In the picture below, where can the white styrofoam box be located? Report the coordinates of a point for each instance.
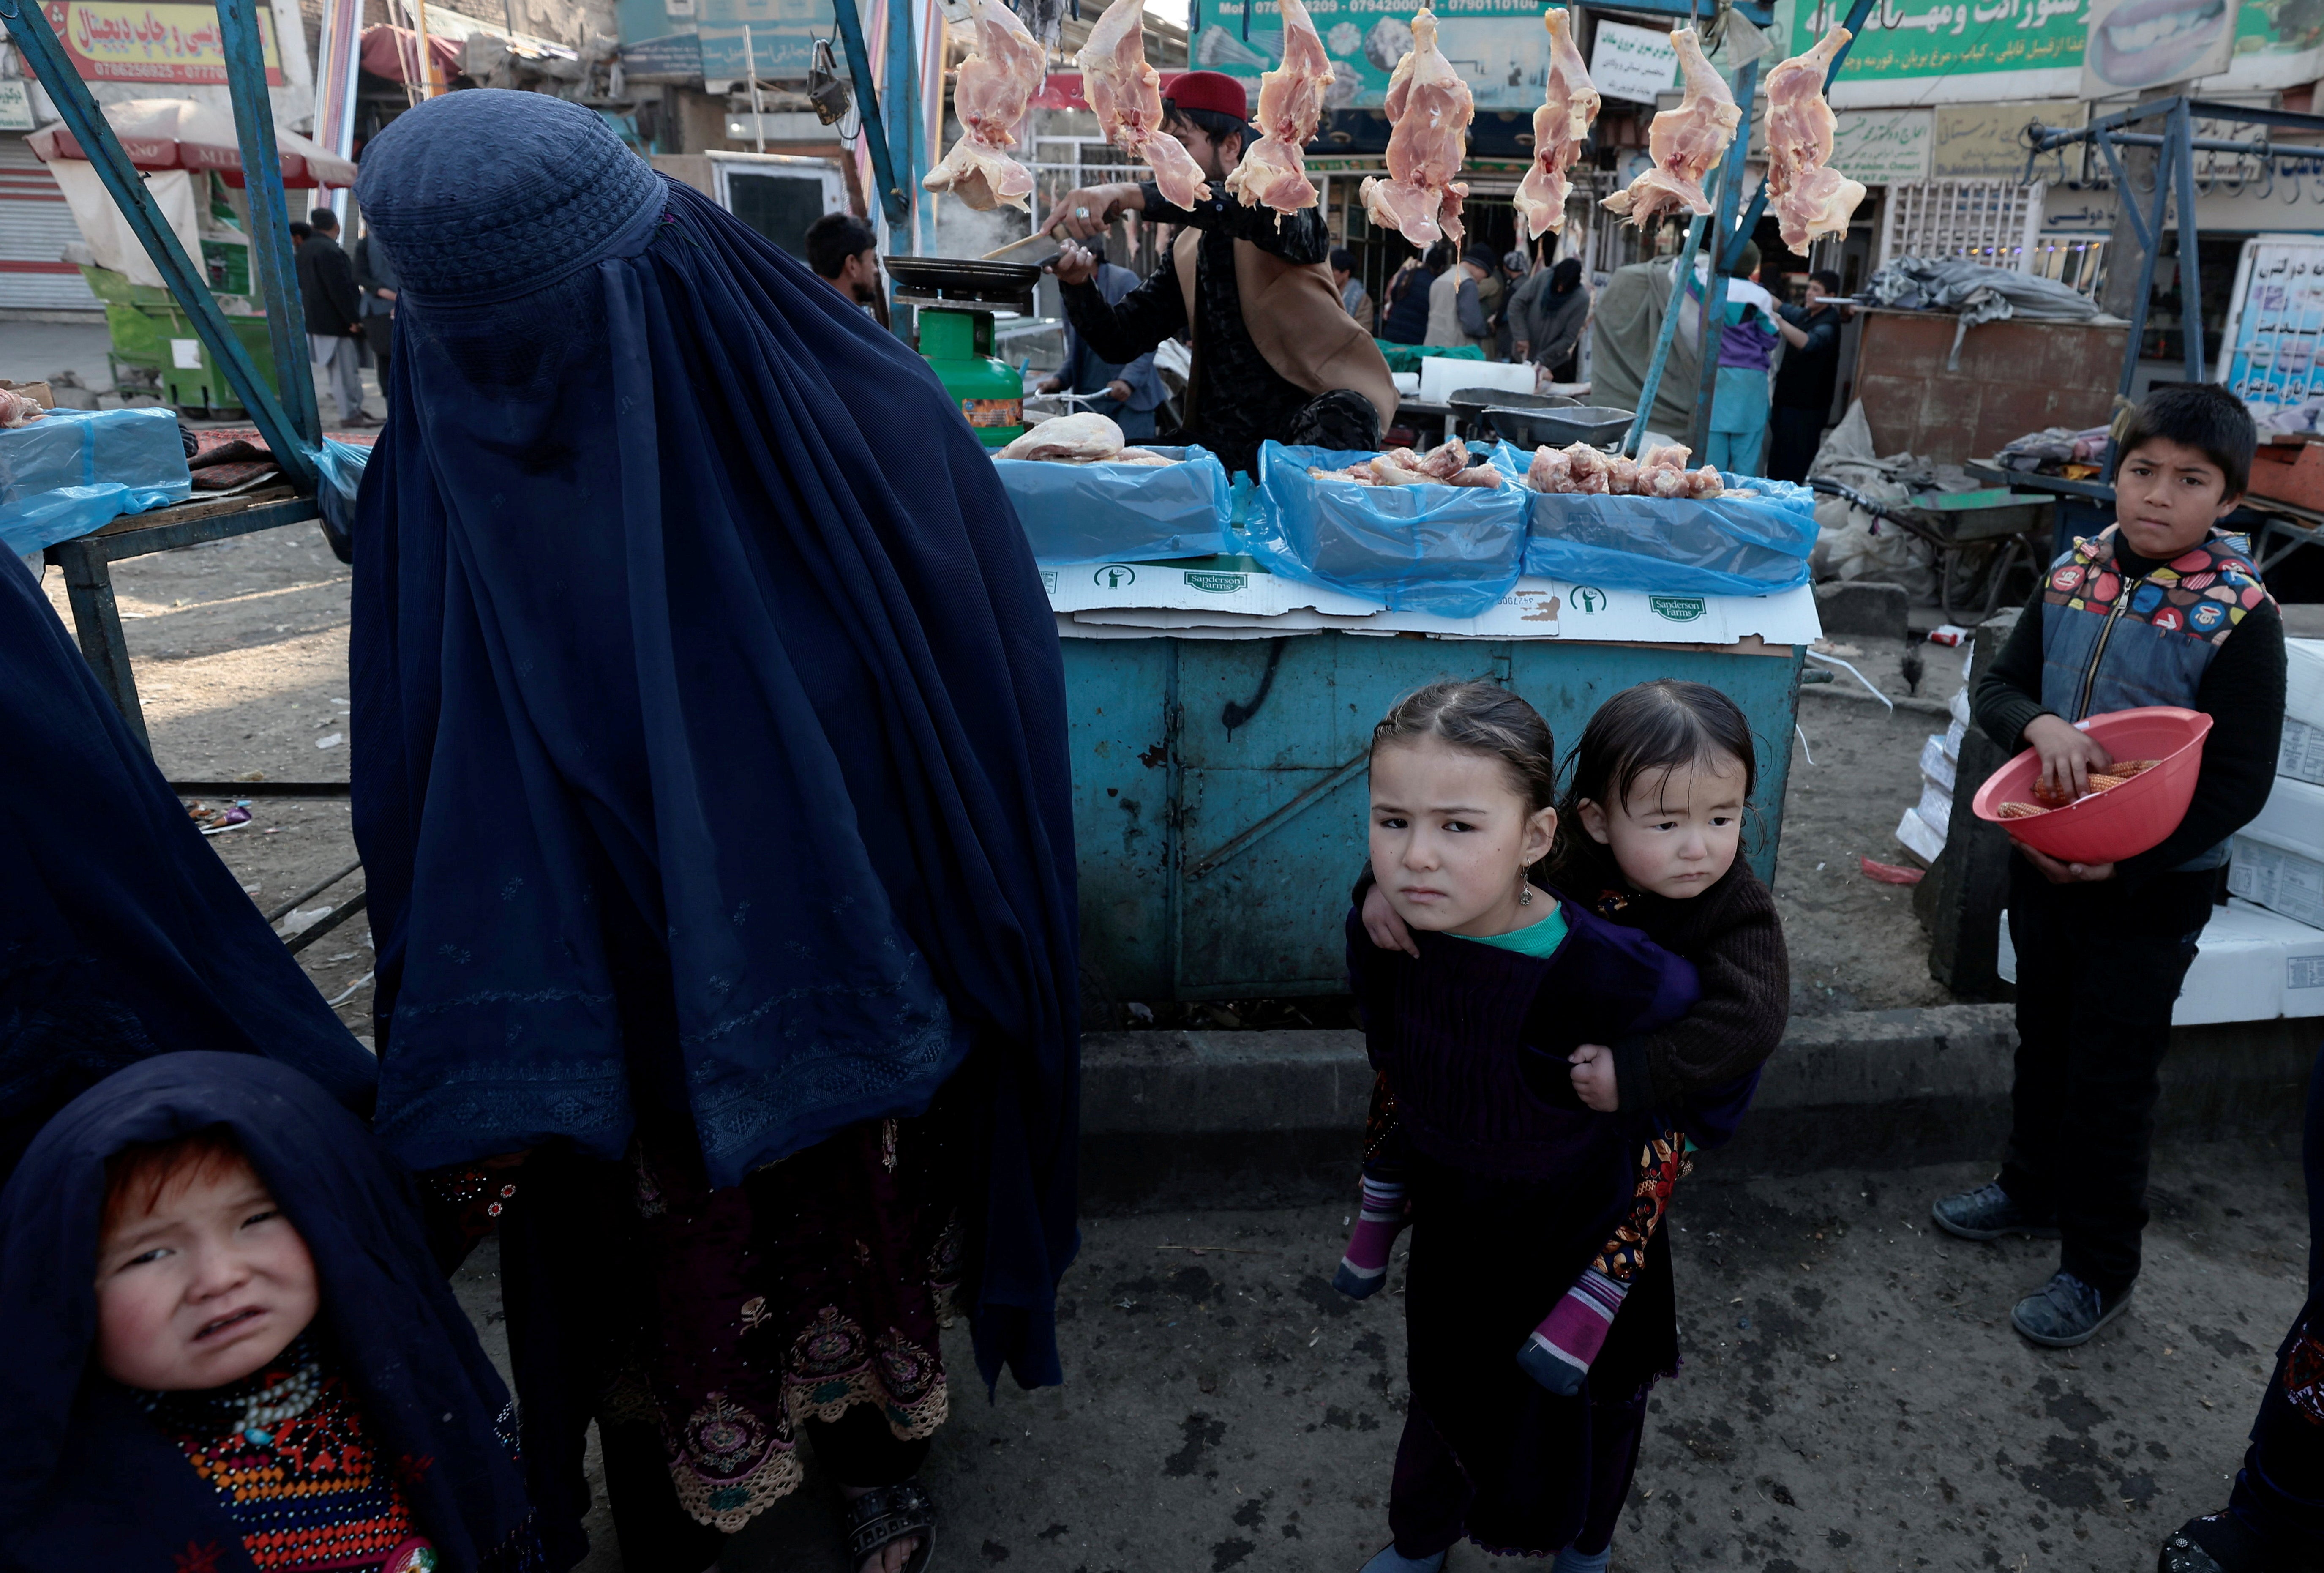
(1937, 764)
(1441, 378)
(2302, 756)
(1936, 804)
(2251, 965)
(2303, 681)
(2279, 857)
(1406, 382)
(1953, 735)
(1920, 837)
(1961, 708)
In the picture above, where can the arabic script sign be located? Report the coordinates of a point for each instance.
(1967, 52)
(1633, 62)
(1987, 140)
(1883, 147)
(118, 40)
(1905, 39)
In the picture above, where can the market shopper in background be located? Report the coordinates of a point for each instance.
(334, 308)
(1548, 315)
(1405, 319)
(1130, 393)
(1806, 379)
(377, 277)
(711, 782)
(1460, 308)
(2162, 607)
(1276, 354)
(1351, 288)
(1749, 331)
(844, 254)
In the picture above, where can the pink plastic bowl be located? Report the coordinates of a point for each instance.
(2130, 819)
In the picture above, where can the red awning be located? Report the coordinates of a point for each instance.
(177, 133)
(1062, 90)
(393, 52)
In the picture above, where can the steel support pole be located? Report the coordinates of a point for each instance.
(30, 29)
(850, 21)
(270, 225)
(1714, 288)
(903, 105)
(1682, 267)
(2191, 270)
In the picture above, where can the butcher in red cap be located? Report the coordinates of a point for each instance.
(1276, 354)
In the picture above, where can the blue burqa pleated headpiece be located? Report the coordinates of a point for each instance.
(87, 1480)
(709, 738)
(121, 935)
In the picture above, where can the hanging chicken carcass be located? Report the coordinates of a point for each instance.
(990, 95)
(1569, 107)
(1810, 198)
(1127, 95)
(1685, 140)
(1273, 172)
(1429, 109)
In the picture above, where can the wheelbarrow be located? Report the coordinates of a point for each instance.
(1978, 539)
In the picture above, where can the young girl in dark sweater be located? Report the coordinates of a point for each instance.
(1660, 783)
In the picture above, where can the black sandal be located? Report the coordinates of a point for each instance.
(888, 1514)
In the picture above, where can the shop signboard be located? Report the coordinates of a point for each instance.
(1500, 46)
(1636, 63)
(1987, 142)
(1979, 52)
(125, 40)
(2276, 319)
(782, 35)
(1883, 147)
(15, 106)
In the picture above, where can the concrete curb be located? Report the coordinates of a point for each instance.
(1176, 1118)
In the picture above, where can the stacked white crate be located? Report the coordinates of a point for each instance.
(1922, 830)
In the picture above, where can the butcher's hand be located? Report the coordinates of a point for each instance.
(1387, 930)
(2068, 754)
(1074, 266)
(1086, 211)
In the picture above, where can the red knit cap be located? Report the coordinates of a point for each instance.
(1212, 90)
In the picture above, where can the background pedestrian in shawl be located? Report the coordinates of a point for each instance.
(122, 936)
(1805, 381)
(377, 277)
(711, 779)
(230, 1348)
(1276, 353)
(1549, 314)
(1405, 319)
(1352, 294)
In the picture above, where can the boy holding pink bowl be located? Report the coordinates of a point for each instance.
(2161, 608)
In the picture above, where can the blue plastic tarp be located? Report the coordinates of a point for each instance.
(73, 471)
(1454, 552)
(1109, 513)
(1674, 546)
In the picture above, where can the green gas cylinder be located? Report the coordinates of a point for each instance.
(989, 393)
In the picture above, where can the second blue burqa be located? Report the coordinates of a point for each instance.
(709, 749)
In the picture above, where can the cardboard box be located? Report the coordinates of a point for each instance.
(2279, 857)
(2304, 710)
(1940, 763)
(1936, 804)
(1441, 378)
(2302, 756)
(2289, 473)
(2251, 965)
(1235, 594)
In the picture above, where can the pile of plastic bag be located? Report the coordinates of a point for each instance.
(74, 471)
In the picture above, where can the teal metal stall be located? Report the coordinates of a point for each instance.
(1219, 787)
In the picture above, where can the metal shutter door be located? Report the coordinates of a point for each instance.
(35, 227)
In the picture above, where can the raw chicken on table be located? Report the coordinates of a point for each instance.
(1429, 109)
(1274, 172)
(1084, 438)
(1127, 95)
(990, 95)
(1569, 107)
(1448, 465)
(1685, 140)
(1810, 198)
(1583, 470)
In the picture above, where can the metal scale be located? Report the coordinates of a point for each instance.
(958, 303)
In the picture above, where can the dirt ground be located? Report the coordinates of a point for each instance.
(1851, 1398)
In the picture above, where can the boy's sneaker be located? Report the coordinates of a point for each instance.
(1987, 1213)
(2065, 1311)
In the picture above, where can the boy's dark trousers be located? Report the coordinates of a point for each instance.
(2098, 973)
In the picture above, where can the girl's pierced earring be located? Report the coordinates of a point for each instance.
(1524, 896)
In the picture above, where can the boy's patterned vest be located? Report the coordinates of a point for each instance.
(2109, 643)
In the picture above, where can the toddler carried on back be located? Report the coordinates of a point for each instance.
(1545, 1068)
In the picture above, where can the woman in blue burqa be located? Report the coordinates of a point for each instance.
(711, 783)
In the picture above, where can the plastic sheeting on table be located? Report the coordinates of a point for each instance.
(1110, 512)
(73, 471)
(1451, 551)
(1672, 546)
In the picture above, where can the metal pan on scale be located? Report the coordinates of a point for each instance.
(1003, 289)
